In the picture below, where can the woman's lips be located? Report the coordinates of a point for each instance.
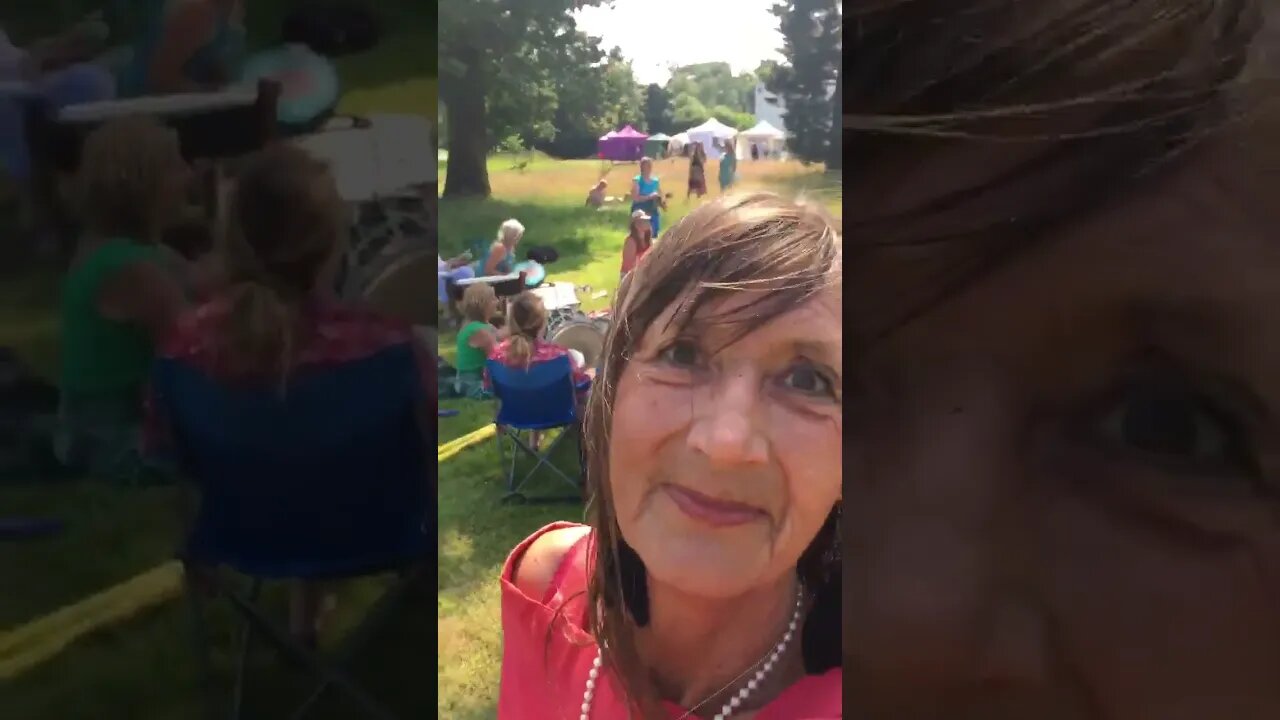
(720, 513)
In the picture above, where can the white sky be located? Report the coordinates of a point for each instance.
(658, 34)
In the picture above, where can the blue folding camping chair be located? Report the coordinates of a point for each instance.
(328, 479)
(543, 397)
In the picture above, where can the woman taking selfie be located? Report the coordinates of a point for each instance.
(707, 584)
(1064, 462)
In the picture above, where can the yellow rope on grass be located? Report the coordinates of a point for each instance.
(453, 447)
(43, 638)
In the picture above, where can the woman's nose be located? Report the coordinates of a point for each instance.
(940, 586)
(725, 426)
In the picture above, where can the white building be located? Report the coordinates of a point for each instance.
(770, 108)
(773, 110)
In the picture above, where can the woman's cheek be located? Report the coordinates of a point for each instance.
(645, 413)
(808, 429)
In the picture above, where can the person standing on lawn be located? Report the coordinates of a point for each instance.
(697, 172)
(646, 194)
(728, 165)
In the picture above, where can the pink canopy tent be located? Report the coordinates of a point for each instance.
(626, 144)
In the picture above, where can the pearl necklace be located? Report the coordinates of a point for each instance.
(765, 664)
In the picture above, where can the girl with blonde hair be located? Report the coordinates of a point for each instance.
(120, 296)
(276, 316)
(524, 345)
(476, 339)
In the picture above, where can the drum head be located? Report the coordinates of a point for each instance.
(582, 336)
(309, 82)
(534, 273)
(406, 290)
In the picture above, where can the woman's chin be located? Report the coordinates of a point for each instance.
(704, 567)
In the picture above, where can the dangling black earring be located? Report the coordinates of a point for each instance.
(635, 586)
(819, 646)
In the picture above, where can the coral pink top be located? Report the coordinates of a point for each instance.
(640, 253)
(546, 655)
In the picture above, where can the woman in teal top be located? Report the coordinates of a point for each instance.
(187, 46)
(500, 258)
(646, 194)
(728, 165)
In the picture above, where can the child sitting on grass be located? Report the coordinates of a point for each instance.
(476, 339)
(596, 195)
(120, 297)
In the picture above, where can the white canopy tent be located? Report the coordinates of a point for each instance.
(764, 136)
(678, 141)
(709, 134)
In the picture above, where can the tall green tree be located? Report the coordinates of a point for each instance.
(713, 84)
(487, 42)
(658, 116)
(811, 46)
(688, 111)
(593, 97)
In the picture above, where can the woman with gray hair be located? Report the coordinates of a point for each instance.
(501, 255)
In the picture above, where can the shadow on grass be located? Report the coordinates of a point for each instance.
(112, 534)
(145, 667)
(477, 529)
(477, 532)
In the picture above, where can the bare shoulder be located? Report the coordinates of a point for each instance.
(535, 570)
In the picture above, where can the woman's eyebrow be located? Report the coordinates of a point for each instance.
(826, 352)
(1187, 324)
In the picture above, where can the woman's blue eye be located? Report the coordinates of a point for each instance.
(1176, 427)
(681, 352)
(807, 379)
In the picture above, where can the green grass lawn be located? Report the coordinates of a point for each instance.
(477, 531)
(144, 668)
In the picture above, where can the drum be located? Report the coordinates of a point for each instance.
(309, 85)
(533, 271)
(581, 335)
(388, 263)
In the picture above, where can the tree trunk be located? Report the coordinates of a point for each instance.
(467, 174)
(835, 148)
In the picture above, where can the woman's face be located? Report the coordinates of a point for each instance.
(724, 465)
(1063, 481)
